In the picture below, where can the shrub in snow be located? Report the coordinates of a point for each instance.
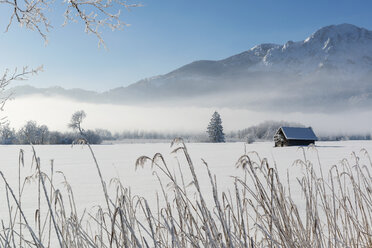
(250, 138)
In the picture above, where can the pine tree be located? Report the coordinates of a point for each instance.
(215, 129)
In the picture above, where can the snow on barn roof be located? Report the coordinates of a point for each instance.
(299, 133)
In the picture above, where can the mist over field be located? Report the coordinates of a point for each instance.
(55, 112)
(323, 81)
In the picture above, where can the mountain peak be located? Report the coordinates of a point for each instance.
(340, 32)
(264, 47)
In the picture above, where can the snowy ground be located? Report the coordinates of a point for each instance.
(119, 161)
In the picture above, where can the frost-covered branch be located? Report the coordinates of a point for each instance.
(30, 14)
(10, 76)
(14, 75)
(95, 14)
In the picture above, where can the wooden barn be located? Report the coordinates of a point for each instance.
(294, 136)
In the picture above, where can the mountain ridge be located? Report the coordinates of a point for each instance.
(335, 60)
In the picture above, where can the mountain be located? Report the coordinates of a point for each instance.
(329, 70)
(78, 94)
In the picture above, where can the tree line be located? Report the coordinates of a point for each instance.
(33, 133)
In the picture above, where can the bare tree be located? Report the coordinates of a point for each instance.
(28, 134)
(7, 135)
(76, 120)
(32, 133)
(43, 133)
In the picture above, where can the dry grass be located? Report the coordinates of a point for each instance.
(335, 211)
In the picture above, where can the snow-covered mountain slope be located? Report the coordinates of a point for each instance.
(344, 49)
(330, 69)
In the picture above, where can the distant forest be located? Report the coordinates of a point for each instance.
(37, 134)
(33, 133)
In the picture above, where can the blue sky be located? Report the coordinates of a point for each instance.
(166, 34)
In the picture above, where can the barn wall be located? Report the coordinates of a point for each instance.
(280, 139)
(300, 142)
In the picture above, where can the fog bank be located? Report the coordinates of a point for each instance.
(56, 113)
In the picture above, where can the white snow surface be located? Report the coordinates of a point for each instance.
(119, 161)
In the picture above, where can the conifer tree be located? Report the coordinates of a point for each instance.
(215, 129)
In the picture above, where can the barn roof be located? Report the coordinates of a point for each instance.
(299, 133)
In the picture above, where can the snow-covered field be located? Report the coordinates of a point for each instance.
(119, 161)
